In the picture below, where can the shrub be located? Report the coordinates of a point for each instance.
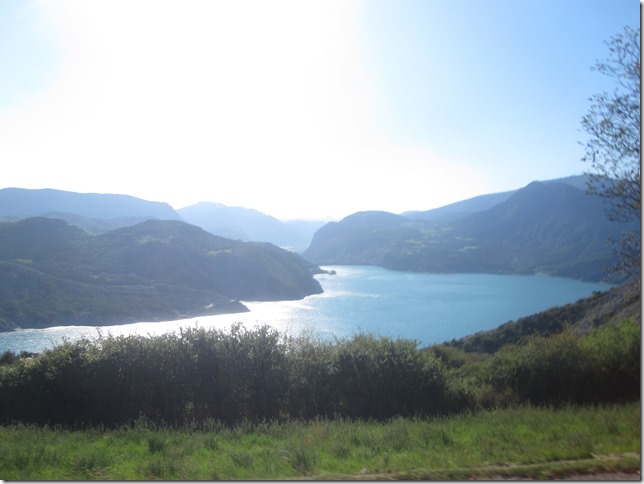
(311, 383)
(234, 376)
(381, 378)
(206, 378)
(602, 366)
(614, 359)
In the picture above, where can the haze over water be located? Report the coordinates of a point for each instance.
(429, 308)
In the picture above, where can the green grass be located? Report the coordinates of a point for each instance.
(524, 442)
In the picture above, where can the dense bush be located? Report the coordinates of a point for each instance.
(243, 374)
(614, 354)
(601, 366)
(310, 376)
(379, 377)
(259, 375)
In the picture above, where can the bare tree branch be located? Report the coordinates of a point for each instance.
(613, 148)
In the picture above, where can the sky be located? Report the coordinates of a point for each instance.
(299, 108)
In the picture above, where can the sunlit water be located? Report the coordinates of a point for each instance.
(429, 308)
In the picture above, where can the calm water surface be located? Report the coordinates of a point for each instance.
(430, 308)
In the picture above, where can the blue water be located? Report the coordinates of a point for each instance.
(429, 308)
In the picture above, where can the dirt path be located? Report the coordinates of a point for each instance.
(599, 476)
(605, 476)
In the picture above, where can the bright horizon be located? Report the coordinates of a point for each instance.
(299, 108)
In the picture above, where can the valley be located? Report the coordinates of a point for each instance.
(99, 259)
(397, 403)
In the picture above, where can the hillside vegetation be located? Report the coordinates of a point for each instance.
(53, 274)
(601, 308)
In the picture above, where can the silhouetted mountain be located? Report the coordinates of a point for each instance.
(546, 227)
(249, 224)
(94, 211)
(52, 273)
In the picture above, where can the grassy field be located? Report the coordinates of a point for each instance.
(521, 442)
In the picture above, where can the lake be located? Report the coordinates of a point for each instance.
(429, 308)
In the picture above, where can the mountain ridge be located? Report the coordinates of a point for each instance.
(98, 212)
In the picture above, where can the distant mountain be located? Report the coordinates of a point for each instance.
(304, 230)
(94, 212)
(546, 227)
(97, 213)
(53, 274)
(249, 225)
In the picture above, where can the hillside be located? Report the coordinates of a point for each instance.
(546, 227)
(599, 309)
(364, 238)
(53, 274)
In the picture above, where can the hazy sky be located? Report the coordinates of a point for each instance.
(300, 109)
